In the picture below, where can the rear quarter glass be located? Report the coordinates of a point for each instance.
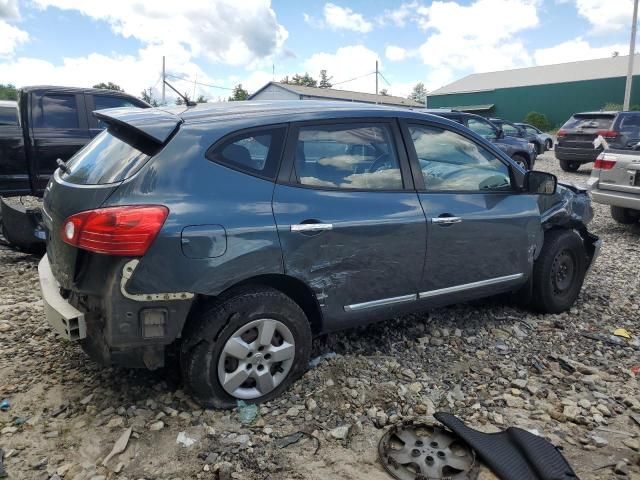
(111, 157)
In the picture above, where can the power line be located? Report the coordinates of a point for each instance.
(354, 78)
(197, 83)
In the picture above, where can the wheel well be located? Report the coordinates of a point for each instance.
(295, 289)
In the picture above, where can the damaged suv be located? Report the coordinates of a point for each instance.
(236, 232)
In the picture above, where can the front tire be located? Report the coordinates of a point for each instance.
(251, 346)
(569, 166)
(625, 216)
(548, 144)
(522, 161)
(559, 272)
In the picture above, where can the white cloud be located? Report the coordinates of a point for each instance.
(10, 38)
(9, 10)
(575, 50)
(346, 63)
(395, 53)
(400, 15)
(606, 16)
(227, 31)
(344, 18)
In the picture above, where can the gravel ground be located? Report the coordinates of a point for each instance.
(491, 364)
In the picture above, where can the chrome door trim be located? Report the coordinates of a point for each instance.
(469, 286)
(446, 220)
(311, 227)
(380, 303)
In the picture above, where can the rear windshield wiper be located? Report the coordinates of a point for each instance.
(62, 165)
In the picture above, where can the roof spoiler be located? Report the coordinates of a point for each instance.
(152, 123)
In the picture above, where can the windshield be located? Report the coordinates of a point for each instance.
(108, 158)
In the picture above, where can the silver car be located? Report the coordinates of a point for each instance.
(615, 181)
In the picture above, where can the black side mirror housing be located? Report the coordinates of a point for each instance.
(540, 183)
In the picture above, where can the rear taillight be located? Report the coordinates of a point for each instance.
(127, 231)
(605, 161)
(561, 133)
(607, 133)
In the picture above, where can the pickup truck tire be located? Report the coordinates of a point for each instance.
(624, 216)
(522, 161)
(233, 352)
(569, 166)
(559, 272)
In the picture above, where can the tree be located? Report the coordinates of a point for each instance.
(183, 101)
(419, 93)
(325, 80)
(201, 99)
(538, 120)
(8, 92)
(306, 80)
(109, 86)
(384, 92)
(147, 96)
(238, 94)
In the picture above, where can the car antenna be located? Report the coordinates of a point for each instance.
(187, 102)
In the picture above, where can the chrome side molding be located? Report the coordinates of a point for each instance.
(380, 303)
(469, 286)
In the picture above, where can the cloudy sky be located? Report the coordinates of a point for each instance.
(225, 42)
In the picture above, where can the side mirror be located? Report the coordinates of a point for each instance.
(499, 134)
(540, 183)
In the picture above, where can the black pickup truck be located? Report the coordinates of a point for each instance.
(51, 123)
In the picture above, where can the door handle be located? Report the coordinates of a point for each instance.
(311, 227)
(446, 220)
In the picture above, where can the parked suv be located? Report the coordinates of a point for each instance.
(575, 144)
(518, 149)
(238, 231)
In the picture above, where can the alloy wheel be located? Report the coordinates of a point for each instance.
(256, 359)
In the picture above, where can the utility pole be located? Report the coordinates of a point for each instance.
(632, 51)
(164, 79)
(377, 78)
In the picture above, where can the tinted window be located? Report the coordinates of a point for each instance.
(103, 101)
(531, 130)
(451, 162)
(108, 158)
(256, 152)
(8, 116)
(481, 127)
(57, 111)
(600, 122)
(630, 126)
(347, 156)
(510, 130)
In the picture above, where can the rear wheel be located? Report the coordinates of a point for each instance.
(249, 347)
(522, 161)
(569, 166)
(559, 272)
(539, 149)
(626, 216)
(549, 144)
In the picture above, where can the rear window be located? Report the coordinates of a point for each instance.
(600, 122)
(111, 157)
(8, 116)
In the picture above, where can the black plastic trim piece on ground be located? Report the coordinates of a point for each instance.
(513, 454)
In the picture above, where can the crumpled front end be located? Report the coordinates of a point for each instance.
(570, 207)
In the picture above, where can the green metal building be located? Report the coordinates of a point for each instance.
(558, 90)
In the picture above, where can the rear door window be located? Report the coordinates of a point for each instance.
(598, 122)
(347, 156)
(112, 156)
(56, 111)
(482, 127)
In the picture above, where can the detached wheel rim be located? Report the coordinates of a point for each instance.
(256, 359)
(563, 272)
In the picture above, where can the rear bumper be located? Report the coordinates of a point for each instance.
(65, 319)
(582, 155)
(617, 199)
